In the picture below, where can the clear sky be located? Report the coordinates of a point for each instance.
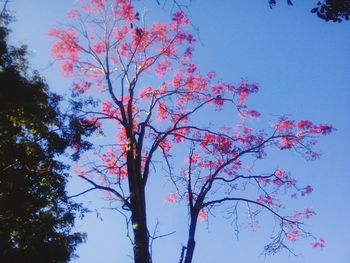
(303, 67)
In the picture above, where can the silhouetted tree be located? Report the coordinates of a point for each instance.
(328, 10)
(36, 216)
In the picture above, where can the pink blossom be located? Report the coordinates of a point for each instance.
(145, 93)
(180, 18)
(99, 48)
(77, 171)
(320, 243)
(99, 5)
(162, 111)
(179, 135)
(304, 124)
(159, 31)
(195, 158)
(75, 148)
(207, 139)
(254, 114)
(73, 13)
(218, 89)
(286, 143)
(284, 125)
(177, 79)
(296, 216)
(165, 145)
(218, 101)
(191, 68)
(210, 75)
(171, 198)
(202, 215)
(65, 49)
(162, 67)
(162, 90)
(323, 129)
(307, 190)
(125, 10)
(67, 69)
(124, 49)
(265, 199)
(108, 109)
(190, 39)
(187, 55)
(244, 89)
(120, 32)
(292, 236)
(279, 174)
(263, 181)
(308, 213)
(223, 144)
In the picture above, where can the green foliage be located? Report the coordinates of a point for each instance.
(36, 216)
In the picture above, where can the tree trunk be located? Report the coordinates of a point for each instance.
(138, 212)
(141, 237)
(191, 243)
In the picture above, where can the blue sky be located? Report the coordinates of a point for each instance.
(303, 68)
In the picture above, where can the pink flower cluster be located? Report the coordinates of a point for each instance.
(171, 198)
(320, 243)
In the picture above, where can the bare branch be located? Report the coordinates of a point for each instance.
(105, 188)
(219, 201)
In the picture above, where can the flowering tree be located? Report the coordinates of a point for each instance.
(153, 97)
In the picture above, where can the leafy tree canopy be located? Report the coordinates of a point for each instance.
(36, 216)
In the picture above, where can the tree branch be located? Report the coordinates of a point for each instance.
(218, 201)
(105, 188)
